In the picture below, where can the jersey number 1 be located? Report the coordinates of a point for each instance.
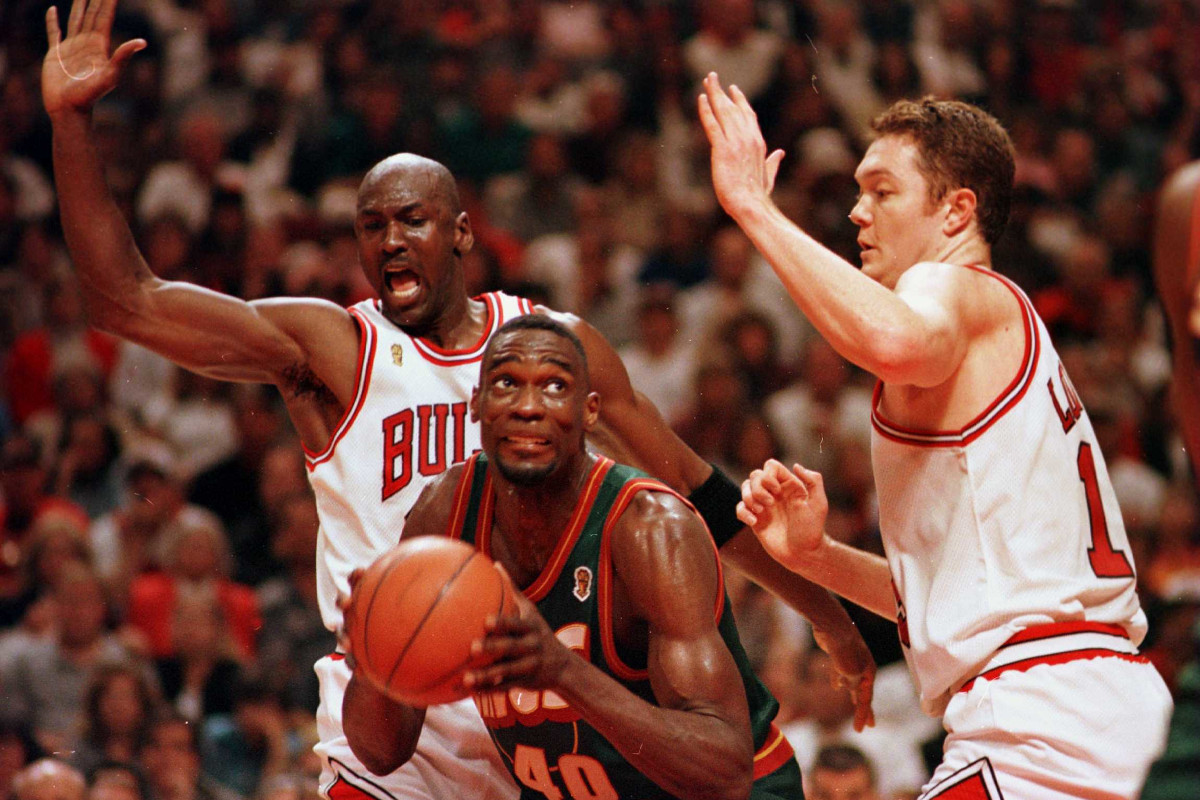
(1106, 561)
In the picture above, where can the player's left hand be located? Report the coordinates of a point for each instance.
(520, 651)
(854, 671)
(742, 172)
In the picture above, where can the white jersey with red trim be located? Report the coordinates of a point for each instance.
(408, 423)
(1008, 523)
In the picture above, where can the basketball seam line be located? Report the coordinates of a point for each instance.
(428, 612)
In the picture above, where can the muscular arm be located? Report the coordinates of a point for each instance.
(285, 342)
(381, 732)
(1177, 290)
(696, 741)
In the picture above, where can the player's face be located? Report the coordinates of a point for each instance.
(898, 224)
(409, 244)
(533, 405)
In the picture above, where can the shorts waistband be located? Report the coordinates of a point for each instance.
(1057, 643)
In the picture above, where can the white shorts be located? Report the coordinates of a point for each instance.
(1087, 728)
(455, 757)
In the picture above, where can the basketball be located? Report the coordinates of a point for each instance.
(415, 612)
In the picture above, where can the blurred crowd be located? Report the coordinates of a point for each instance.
(157, 596)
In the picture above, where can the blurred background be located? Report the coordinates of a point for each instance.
(139, 501)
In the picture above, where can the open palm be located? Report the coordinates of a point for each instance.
(786, 509)
(78, 70)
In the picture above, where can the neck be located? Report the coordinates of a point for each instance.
(459, 326)
(530, 520)
(964, 251)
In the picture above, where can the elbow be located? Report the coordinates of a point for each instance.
(381, 733)
(380, 764)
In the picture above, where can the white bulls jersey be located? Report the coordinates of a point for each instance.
(1008, 523)
(408, 423)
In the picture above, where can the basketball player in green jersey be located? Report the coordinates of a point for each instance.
(622, 675)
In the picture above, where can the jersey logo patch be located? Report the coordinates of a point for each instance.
(583, 583)
(397, 355)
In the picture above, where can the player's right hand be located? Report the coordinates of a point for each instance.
(78, 70)
(786, 509)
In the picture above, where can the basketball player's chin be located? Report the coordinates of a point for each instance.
(527, 465)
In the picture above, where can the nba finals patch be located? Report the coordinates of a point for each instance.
(583, 583)
(397, 355)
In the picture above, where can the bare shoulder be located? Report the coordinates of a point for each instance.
(430, 515)
(659, 531)
(328, 339)
(310, 320)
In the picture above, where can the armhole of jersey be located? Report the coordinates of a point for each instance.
(1007, 398)
(362, 381)
(462, 498)
(604, 589)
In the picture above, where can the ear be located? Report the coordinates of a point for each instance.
(464, 238)
(960, 211)
(474, 404)
(591, 411)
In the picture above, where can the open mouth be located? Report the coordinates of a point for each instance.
(403, 284)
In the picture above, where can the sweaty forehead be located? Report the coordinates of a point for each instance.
(536, 346)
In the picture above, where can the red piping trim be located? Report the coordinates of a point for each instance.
(362, 382)
(1003, 403)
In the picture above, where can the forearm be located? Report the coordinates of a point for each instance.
(862, 578)
(688, 752)
(861, 319)
(381, 733)
(102, 247)
(818, 606)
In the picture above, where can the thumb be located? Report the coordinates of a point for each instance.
(771, 167)
(125, 52)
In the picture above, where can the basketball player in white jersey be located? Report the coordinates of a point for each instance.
(377, 393)
(1007, 567)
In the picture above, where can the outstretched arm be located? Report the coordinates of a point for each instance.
(224, 337)
(902, 337)
(787, 509)
(696, 741)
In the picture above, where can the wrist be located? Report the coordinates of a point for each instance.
(70, 119)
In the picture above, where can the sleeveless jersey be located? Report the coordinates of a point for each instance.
(407, 424)
(1009, 523)
(547, 746)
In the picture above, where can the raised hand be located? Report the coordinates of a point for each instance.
(786, 509)
(742, 172)
(78, 70)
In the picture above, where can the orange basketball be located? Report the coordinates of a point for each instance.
(415, 612)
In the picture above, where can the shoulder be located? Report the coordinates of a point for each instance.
(978, 296)
(654, 525)
(430, 514)
(310, 316)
